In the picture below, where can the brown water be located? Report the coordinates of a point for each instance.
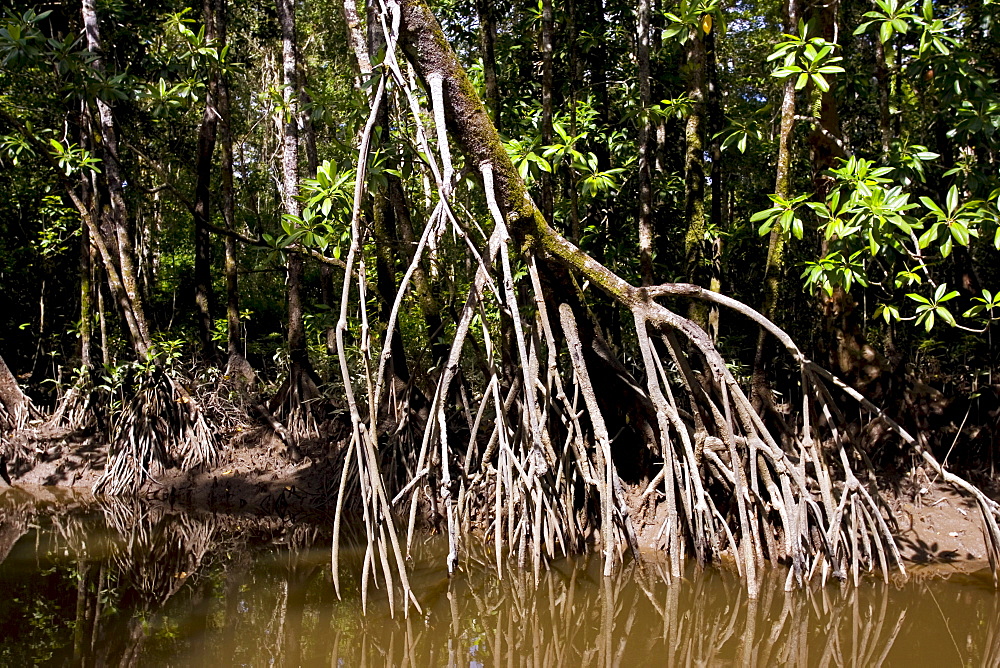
(127, 585)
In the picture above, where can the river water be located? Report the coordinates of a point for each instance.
(124, 584)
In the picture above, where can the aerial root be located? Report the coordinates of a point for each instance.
(727, 483)
(76, 410)
(536, 472)
(297, 410)
(157, 422)
(858, 534)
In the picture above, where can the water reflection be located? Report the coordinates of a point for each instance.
(126, 584)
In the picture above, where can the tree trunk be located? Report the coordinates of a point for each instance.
(102, 318)
(297, 349)
(843, 341)
(356, 40)
(86, 252)
(86, 298)
(598, 57)
(548, 81)
(118, 254)
(202, 196)
(695, 260)
(237, 366)
(487, 39)
(12, 399)
(824, 136)
(327, 295)
(575, 84)
(15, 408)
(645, 146)
(719, 199)
(774, 266)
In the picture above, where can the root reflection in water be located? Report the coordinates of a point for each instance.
(152, 587)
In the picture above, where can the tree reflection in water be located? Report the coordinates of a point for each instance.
(127, 584)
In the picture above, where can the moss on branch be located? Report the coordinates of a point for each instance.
(470, 125)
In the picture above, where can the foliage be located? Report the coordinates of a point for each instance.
(808, 59)
(912, 233)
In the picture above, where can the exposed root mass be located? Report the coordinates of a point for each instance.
(157, 422)
(533, 461)
(534, 431)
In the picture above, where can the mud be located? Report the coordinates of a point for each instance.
(937, 530)
(255, 474)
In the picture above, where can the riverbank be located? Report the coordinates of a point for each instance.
(254, 474)
(937, 530)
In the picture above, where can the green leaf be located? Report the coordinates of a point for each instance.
(885, 32)
(888, 312)
(952, 199)
(783, 72)
(945, 315)
(819, 209)
(542, 163)
(523, 168)
(973, 312)
(767, 213)
(950, 295)
(797, 228)
(960, 234)
(928, 236)
(785, 220)
(873, 245)
(930, 204)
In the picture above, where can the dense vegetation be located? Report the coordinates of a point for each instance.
(518, 308)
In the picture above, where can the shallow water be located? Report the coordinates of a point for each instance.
(123, 584)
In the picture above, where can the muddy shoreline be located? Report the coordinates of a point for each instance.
(938, 531)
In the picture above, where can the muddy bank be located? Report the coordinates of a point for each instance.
(255, 473)
(937, 530)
